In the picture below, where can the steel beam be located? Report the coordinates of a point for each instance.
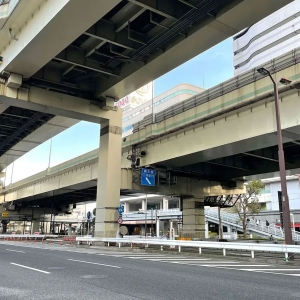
(105, 31)
(130, 15)
(264, 156)
(226, 166)
(167, 8)
(76, 56)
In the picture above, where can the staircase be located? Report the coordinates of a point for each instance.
(233, 220)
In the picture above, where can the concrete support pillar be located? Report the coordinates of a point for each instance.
(193, 218)
(144, 205)
(161, 204)
(126, 207)
(165, 204)
(109, 179)
(157, 227)
(206, 230)
(35, 225)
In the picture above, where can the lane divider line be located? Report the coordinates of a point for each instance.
(92, 263)
(33, 269)
(15, 251)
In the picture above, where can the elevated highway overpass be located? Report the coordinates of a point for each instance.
(205, 150)
(73, 59)
(116, 47)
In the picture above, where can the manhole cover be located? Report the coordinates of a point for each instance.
(94, 276)
(56, 268)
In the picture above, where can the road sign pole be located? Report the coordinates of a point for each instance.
(146, 216)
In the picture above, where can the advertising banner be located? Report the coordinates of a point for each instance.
(137, 98)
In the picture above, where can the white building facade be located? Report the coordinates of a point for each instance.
(271, 37)
(175, 95)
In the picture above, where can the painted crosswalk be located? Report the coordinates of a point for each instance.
(210, 263)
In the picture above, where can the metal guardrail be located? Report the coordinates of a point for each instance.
(251, 247)
(42, 236)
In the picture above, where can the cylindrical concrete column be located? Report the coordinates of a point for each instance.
(165, 204)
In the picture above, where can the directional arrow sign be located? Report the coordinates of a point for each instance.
(148, 177)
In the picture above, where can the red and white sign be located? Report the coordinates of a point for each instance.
(137, 98)
(120, 220)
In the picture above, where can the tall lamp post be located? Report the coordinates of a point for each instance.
(285, 197)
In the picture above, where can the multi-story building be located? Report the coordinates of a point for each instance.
(269, 38)
(175, 95)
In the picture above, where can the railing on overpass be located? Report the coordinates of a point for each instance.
(251, 247)
(211, 215)
(261, 228)
(282, 62)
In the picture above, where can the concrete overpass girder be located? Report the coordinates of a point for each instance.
(54, 103)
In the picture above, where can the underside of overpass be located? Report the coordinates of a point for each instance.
(243, 164)
(102, 60)
(125, 38)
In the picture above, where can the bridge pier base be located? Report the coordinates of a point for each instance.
(193, 219)
(109, 178)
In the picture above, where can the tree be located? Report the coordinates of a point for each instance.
(248, 203)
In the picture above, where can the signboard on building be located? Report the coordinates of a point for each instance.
(137, 98)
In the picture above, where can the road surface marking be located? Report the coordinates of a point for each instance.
(258, 270)
(15, 251)
(179, 259)
(215, 266)
(33, 269)
(92, 263)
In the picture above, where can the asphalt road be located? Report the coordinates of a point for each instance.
(59, 272)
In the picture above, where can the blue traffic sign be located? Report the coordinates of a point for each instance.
(121, 209)
(89, 215)
(148, 177)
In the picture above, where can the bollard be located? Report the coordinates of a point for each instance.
(252, 254)
(179, 248)
(200, 250)
(108, 244)
(161, 248)
(224, 252)
(119, 245)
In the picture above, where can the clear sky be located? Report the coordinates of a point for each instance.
(205, 70)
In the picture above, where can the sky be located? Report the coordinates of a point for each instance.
(205, 70)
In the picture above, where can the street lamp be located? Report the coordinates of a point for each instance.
(285, 198)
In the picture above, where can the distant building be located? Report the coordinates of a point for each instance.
(175, 95)
(269, 196)
(271, 37)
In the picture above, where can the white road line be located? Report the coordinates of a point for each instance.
(291, 270)
(15, 251)
(180, 259)
(92, 263)
(33, 269)
(215, 266)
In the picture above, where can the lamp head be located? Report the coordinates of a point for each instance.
(285, 81)
(263, 71)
